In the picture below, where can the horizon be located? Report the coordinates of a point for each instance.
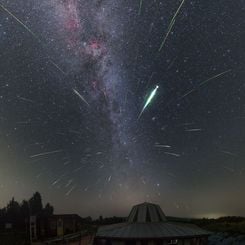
(125, 212)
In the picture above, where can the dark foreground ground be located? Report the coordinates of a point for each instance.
(217, 238)
(226, 239)
(225, 231)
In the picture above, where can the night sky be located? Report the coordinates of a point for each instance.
(74, 77)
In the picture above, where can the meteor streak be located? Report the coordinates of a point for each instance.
(193, 130)
(216, 76)
(140, 7)
(25, 99)
(186, 94)
(19, 21)
(30, 31)
(204, 82)
(56, 181)
(45, 153)
(163, 146)
(172, 154)
(152, 95)
(58, 68)
(172, 22)
(166, 36)
(229, 153)
(81, 97)
(177, 12)
(70, 191)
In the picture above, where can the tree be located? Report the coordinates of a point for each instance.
(35, 203)
(19, 214)
(88, 219)
(48, 210)
(13, 214)
(2, 213)
(101, 219)
(25, 209)
(13, 209)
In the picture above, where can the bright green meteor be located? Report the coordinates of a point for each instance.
(149, 99)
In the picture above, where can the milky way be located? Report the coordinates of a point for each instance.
(91, 34)
(75, 75)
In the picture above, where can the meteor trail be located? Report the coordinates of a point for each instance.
(152, 95)
(30, 31)
(45, 153)
(172, 22)
(19, 21)
(80, 96)
(168, 32)
(70, 191)
(163, 146)
(204, 82)
(56, 181)
(186, 94)
(216, 76)
(179, 8)
(25, 99)
(193, 130)
(229, 153)
(140, 7)
(54, 64)
(172, 154)
(69, 182)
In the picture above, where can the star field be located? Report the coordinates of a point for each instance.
(74, 78)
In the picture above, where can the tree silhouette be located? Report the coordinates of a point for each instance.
(35, 204)
(25, 210)
(19, 214)
(48, 210)
(13, 210)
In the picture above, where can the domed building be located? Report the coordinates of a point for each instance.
(147, 225)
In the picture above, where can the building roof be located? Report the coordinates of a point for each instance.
(147, 221)
(146, 212)
(150, 230)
